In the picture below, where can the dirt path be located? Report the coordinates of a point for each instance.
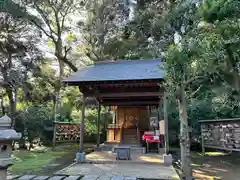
(214, 165)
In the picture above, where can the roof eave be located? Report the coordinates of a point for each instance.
(75, 83)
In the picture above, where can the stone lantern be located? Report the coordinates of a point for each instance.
(7, 136)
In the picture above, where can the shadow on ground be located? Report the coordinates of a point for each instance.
(214, 165)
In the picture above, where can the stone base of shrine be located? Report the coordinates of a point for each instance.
(80, 157)
(104, 163)
(167, 159)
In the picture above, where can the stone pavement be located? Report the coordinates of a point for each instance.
(57, 177)
(108, 171)
(106, 157)
(104, 166)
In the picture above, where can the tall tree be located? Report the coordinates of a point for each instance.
(171, 29)
(18, 53)
(56, 18)
(103, 24)
(207, 34)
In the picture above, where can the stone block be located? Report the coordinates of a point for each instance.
(90, 177)
(41, 178)
(26, 177)
(130, 178)
(10, 177)
(80, 157)
(167, 159)
(73, 178)
(57, 178)
(104, 177)
(144, 150)
(117, 178)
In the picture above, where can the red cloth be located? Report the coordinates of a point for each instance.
(150, 138)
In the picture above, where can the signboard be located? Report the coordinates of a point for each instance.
(153, 122)
(162, 127)
(155, 137)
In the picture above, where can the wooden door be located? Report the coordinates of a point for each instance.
(131, 119)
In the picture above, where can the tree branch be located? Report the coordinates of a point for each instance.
(92, 50)
(195, 92)
(46, 20)
(66, 50)
(57, 22)
(70, 64)
(192, 79)
(64, 16)
(43, 30)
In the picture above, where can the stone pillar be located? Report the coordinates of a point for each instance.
(7, 135)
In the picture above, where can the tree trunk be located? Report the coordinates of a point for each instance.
(2, 105)
(58, 53)
(24, 86)
(12, 101)
(55, 106)
(184, 136)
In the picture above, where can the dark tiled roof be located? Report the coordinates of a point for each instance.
(118, 70)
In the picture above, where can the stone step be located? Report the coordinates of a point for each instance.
(130, 135)
(133, 133)
(73, 178)
(86, 177)
(26, 177)
(57, 178)
(41, 178)
(129, 139)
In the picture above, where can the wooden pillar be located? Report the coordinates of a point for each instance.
(98, 124)
(114, 123)
(161, 122)
(166, 123)
(202, 139)
(82, 125)
(54, 134)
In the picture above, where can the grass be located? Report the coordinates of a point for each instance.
(40, 157)
(33, 161)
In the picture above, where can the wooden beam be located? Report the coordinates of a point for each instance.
(140, 81)
(130, 94)
(128, 103)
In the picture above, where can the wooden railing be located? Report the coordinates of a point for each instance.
(114, 126)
